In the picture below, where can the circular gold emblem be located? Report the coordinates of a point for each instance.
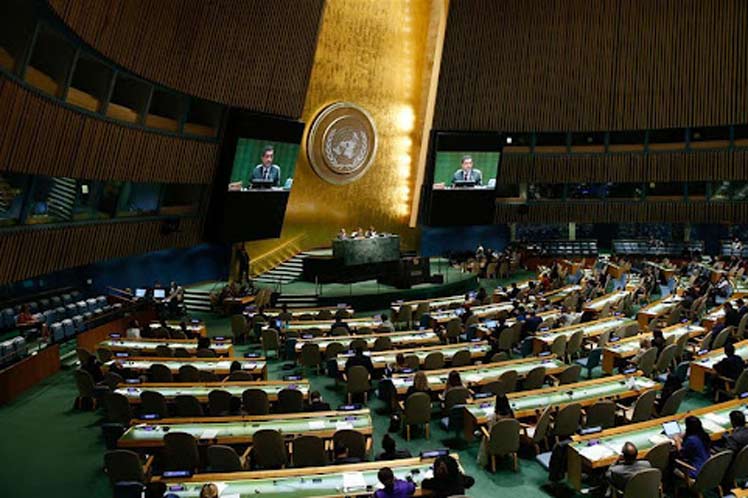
(341, 143)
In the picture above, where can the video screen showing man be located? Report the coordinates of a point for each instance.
(266, 173)
(274, 171)
(466, 170)
(467, 175)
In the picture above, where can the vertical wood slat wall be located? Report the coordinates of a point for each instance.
(35, 252)
(705, 165)
(250, 53)
(623, 212)
(565, 65)
(39, 136)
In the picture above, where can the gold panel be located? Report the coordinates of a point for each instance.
(377, 54)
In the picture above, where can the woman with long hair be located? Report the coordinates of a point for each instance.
(694, 446)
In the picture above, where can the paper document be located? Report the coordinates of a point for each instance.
(209, 434)
(659, 438)
(316, 425)
(596, 452)
(353, 481)
(339, 426)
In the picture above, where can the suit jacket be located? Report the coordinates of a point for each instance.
(738, 439)
(620, 473)
(475, 175)
(275, 174)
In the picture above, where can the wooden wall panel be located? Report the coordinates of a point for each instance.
(562, 65)
(704, 165)
(40, 136)
(250, 53)
(30, 253)
(619, 212)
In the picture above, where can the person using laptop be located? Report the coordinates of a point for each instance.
(693, 446)
(267, 172)
(619, 473)
(467, 173)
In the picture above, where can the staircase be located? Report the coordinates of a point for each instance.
(284, 273)
(61, 198)
(197, 299)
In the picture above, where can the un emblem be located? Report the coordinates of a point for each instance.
(341, 143)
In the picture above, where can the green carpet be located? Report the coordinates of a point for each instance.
(49, 449)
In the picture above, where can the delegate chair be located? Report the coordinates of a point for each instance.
(240, 375)
(647, 361)
(733, 388)
(206, 376)
(568, 375)
(641, 410)
(433, 361)
(187, 406)
(225, 459)
(268, 450)
(219, 403)
(163, 351)
(574, 345)
(126, 466)
(567, 421)
(659, 456)
(357, 344)
(591, 362)
(417, 411)
(188, 373)
(357, 382)
(496, 387)
(118, 409)
(255, 402)
(558, 346)
(308, 451)
(738, 471)
(601, 414)
(534, 379)
(339, 332)
(271, 341)
(86, 389)
(454, 329)
(180, 450)
(643, 483)
(206, 353)
(412, 361)
(454, 397)
(153, 402)
(181, 352)
(537, 434)
(503, 440)
(310, 356)
(239, 327)
(159, 373)
(290, 401)
(324, 315)
(461, 358)
(354, 441)
(673, 402)
(383, 343)
(708, 478)
(509, 380)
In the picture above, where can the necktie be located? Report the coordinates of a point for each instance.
(267, 173)
(465, 176)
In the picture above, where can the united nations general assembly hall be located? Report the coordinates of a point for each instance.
(373, 248)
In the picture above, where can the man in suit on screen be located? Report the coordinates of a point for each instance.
(466, 172)
(266, 170)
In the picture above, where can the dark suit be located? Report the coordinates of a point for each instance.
(620, 473)
(732, 318)
(730, 366)
(357, 360)
(737, 440)
(272, 172)
(474, 175)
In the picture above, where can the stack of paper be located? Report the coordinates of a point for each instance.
(339, 426)
(209, 434)
(353, 481)
(316, 425)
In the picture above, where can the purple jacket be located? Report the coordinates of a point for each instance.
(400, 489)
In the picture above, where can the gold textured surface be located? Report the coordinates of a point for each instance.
(375, 54)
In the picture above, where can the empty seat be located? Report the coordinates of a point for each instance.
(68, 327)
(57, 332)
(82, 307)
(91, 304)
(78, 323)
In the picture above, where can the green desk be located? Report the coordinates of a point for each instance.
(479, 374)
(381, 359)
(611, 299)
(657, 309)
(590, 330)
(717, 314)
(529, 404)
(326, 325)
(329, 481)
(239, 430)
(604, 448)
(201, 390)
(195, 328)
(362, 251)
(399, 339)
(483, 312)
(558, 295)
(148, 346)
(256, 367)
(434, 304)
(626, 348)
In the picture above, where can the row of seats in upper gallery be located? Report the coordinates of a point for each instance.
(65, 315)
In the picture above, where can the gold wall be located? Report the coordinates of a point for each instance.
(377, 54)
